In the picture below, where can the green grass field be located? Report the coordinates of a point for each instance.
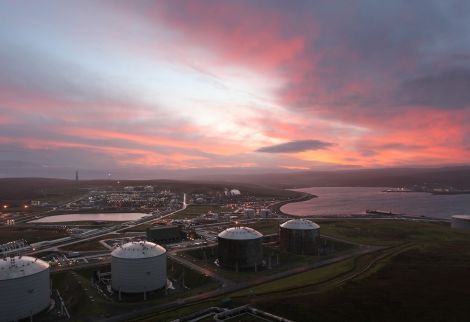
(419, 284)
(422, 275)
(266, 227)
(86, 304)
(92, 244)
(205, 257)
(388, 232)
(31, 234)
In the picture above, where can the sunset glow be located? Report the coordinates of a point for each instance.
(105, 85)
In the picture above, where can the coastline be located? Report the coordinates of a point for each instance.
(305, 196)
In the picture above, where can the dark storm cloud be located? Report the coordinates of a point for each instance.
(365, 51)
(296, 146)
(448, 89)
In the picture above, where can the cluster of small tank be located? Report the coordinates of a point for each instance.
(140, 267)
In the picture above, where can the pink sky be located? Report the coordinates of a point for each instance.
(233, 84)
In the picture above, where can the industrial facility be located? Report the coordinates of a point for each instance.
(165, 234)
(265, 213)
(240, 248)
(461, 222)
(299, 236)
(250, 213)
(24, 287)
(138, 267)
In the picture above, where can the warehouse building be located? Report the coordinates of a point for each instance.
(166, 234)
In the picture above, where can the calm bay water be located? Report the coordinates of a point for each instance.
(354, 200)
(90, 217)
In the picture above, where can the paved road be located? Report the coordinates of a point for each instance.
(235, 287)
(100, 233)
(225, 282)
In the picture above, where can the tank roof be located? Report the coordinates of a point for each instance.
(301, 224)
(20, 266)
(464, 217)
(240, 233)
(142, 249)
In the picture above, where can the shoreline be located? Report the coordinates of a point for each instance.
(305, 196)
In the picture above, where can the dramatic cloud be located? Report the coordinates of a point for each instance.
(448, 89)
(159, 85)
(295, 146)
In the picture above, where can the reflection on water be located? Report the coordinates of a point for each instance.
(355, 200)
(91, 217)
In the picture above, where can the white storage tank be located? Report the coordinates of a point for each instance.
(461, 222)
(138, 267)
(24, 287)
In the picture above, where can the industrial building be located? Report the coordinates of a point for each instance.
(24, 287)
(232, 192)
(166, 234)
(265, 213)
(461, 222)
(240, 248)
(138, 267)
(299, 236)
(250, 213)
(148, 189)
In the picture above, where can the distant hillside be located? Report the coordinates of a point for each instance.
(259, 184)
(458, 177)
(12, 189)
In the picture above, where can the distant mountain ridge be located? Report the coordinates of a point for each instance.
(458, 177)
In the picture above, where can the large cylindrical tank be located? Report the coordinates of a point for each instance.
(461, 222)
(240, 248)
(24, 287)
(138, 267)
(299, 236)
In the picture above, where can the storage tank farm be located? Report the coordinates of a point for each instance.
(299, 236)
(24, 287)
(240, 248)
(461, 222)
(138, 267)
